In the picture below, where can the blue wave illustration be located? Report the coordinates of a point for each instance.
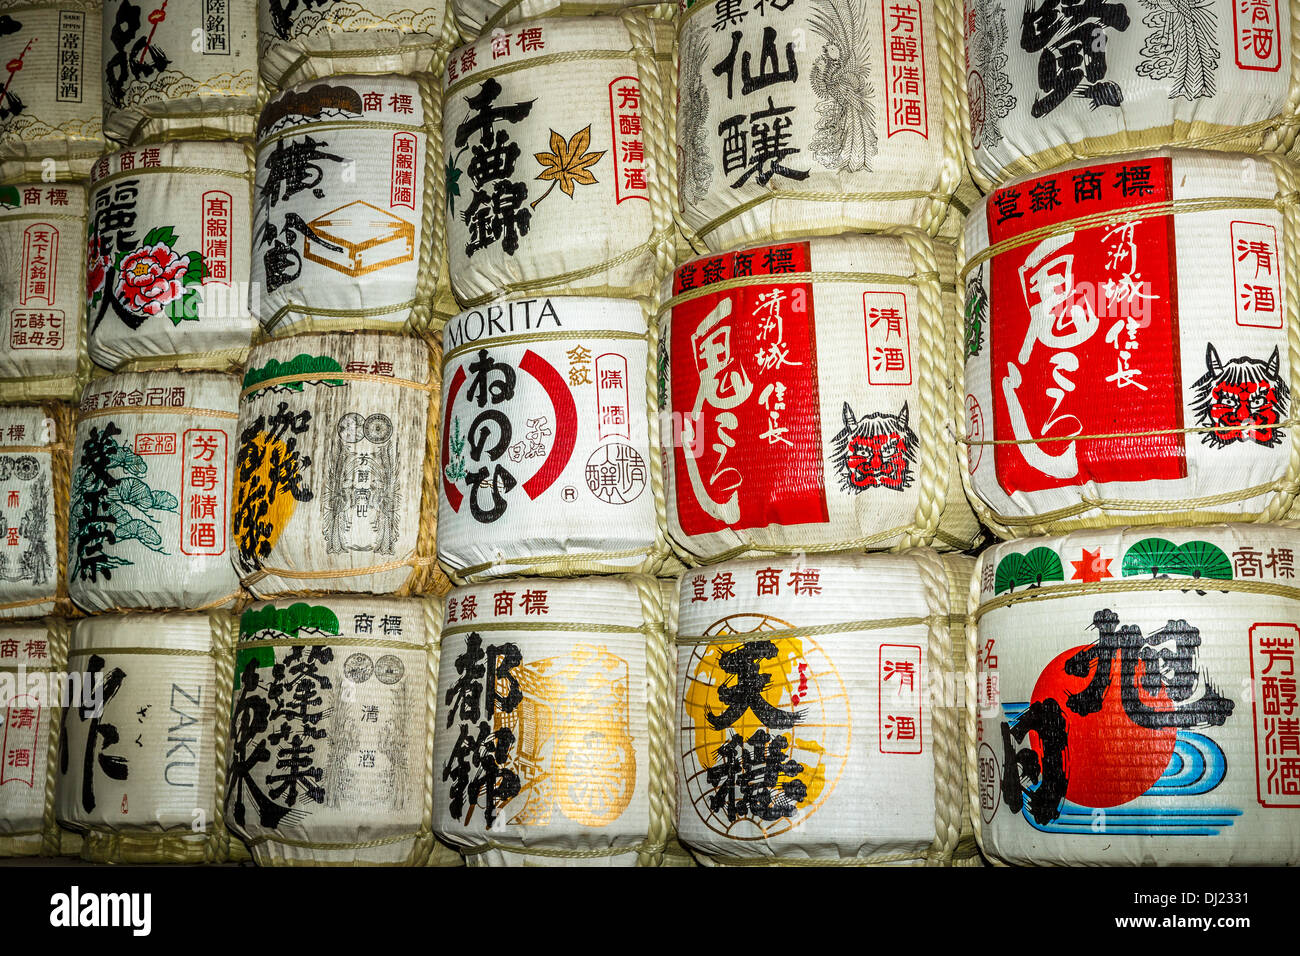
(1197, 766)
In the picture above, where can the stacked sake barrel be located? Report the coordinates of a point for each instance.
(50, 135)
(335, 506)
(558, 146)
(804, 338)
(169, 226)
(118, 504)
(1130, 353)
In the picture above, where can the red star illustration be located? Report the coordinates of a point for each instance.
(1092, 567)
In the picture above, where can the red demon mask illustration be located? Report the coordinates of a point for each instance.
(874, 451)
(1241, 400)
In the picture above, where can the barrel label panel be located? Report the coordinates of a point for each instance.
(1085, 362)
(745, 386)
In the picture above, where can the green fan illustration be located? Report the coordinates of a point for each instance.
(1204, 560)
(1153, 556)
(1031, 569)
(1161, 558)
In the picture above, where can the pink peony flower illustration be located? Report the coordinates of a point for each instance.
(151, 278)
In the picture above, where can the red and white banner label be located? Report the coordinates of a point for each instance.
(745, 392)
(1084, 340)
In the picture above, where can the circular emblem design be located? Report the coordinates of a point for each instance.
(750, 772)
(26, 468)
(389, 669)
(358, 668)
(378, 428)
(350, 427)
(616, 473)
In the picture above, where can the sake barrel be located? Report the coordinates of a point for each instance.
(50, 106)
(348, 184)
(308, 41)
(33, 656)
(814, 715)
(35, 453)
(478, 18)
(575, 712)
(337, 472)
(167, 267)
(804, 402)
(558, 153)
(142, 772)
(43, 346)
(816, 117)
(341, 691)
(1161, 661)
(1126, 352)
(548, 465)
(184, 71)
(1211, 75)
(152, 469)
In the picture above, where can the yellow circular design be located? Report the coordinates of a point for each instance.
(801, 678)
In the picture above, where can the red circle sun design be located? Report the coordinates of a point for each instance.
(1109, 760)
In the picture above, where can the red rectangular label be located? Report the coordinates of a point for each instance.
(406, 149)
(204, 495)
(40, 264)
(36, 329)
(748, 448)
(611, 396)
(155, 443)
(1256, 275)
(629, 140)
(1255, 24)
(889, 340)
(1273, 650)
(1085, 345)
(906, 110)
(217, 208)
(22, 718)
(900, 698)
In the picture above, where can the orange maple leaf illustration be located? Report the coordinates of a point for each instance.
(567, 163)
